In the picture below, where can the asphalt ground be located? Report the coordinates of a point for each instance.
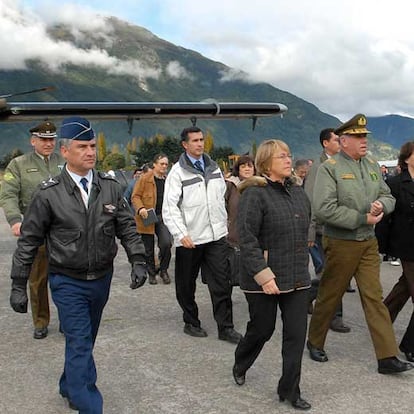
(146, 364)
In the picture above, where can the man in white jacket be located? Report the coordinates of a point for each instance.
(195, 214)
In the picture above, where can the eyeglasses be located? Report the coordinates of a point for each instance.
(283, 156)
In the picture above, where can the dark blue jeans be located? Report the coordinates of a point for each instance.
(316, 252)
(80, 304)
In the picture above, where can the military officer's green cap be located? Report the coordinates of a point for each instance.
(46, 129)
(355, 126)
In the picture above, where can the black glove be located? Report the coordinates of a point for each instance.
(18, 295)
(138, 275)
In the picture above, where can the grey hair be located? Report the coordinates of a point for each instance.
(65, 142)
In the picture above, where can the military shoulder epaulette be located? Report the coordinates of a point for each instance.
(107, 176)
(331, 161)
(48, 183)
(371, 160)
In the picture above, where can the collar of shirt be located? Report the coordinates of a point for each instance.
(193, 160)
(42, 157)
(77, 178)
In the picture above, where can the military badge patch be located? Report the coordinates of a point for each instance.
(373, 175)
(48, 183)
(109, 208)
(8, 176)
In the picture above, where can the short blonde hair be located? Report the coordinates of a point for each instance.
(265, 152)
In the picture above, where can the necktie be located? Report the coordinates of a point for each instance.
(199, 166)
(84, 183)
(46, 162)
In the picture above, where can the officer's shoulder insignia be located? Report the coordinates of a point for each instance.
(331, 161)
(370, 160)
(8, 176)
(48, 183)
(106, 176)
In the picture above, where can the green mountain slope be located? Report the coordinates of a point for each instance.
(200, 79)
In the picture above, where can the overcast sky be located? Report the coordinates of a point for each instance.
(344, 56)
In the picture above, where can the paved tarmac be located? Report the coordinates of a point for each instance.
(146, 364)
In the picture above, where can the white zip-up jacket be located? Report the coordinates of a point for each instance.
(194, 203)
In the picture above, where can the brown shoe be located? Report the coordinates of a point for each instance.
(152, 280)
(165, 277)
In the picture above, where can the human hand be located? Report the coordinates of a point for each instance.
(16, 229)
(187, 242)
(270, 287)
(138, 275)
(374, 219)
(376, 208)
(143, 213)
(18, 295)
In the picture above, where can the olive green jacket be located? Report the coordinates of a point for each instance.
(342, 196)
(21, 177)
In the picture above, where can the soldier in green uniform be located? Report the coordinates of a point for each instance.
(22, 176)
(350, 197)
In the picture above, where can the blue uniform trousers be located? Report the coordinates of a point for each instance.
(80, 304)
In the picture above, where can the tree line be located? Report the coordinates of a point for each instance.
(139, 151)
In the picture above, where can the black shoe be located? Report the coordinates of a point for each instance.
(337, 325)
(152, 280)
(240, 379)
(40, 333)
(70, 403)
(165, 277)
(230, 335)
(393, 365)
(316, 354)
(409, 356)
(196, 331)
(298, 404)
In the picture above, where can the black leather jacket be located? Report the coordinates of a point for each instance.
(80, 241)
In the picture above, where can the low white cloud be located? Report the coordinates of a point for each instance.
(176, 71)
(231, 74)
(25, 36)
(343, 56)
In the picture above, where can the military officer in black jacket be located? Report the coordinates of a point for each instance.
(79, 213)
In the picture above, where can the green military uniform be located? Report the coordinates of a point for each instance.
(344, 190)
(21, 178)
